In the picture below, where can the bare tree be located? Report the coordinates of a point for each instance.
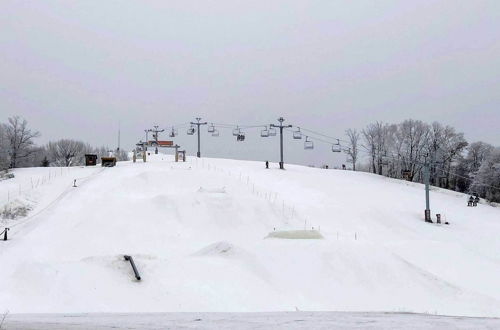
(4, 149)
(487, 179)
(370, 136)
(353, 136)
(19, 139)
(66, 152)
(412, 140)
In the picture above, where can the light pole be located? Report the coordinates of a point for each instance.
(198, 154)
(281, 126)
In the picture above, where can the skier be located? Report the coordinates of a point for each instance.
(471, 200)
(267, 164)
(476, 200)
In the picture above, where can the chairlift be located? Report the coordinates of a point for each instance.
(215, 133)
(297, 135)
(272, 131)
(264, 132)
(211, 128)
(236, 131)
(173, 133)
(308, 144)
(240, 137)
(190, 131)
(336, 147)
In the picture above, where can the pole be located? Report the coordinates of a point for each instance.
(427, 200)
(281, 126)
(198, 124)
(146, 145)
(281, 147)
(198, 154)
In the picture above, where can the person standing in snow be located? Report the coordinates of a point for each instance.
(267, 164)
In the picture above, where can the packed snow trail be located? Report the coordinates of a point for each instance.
(197, 233)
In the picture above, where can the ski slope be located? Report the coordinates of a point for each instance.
(197, 232)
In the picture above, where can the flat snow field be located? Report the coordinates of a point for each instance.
(288, 320)
(198, 232)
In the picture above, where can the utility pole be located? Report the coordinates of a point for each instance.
(426, 181)
(198, 154)
(155, 135)
(281, 120)
(146, 143)
(118, 149)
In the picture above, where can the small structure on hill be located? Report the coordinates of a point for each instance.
(90, 160)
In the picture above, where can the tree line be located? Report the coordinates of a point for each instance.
(401, 150)
(18, 148)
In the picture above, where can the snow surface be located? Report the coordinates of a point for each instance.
(197, 232)
(283, 320)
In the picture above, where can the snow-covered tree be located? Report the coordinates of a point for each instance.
(4, 150)
(352, 152)
(487, 179)
(19, 139)
(66, 152)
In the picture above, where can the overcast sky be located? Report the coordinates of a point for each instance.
(76, 69)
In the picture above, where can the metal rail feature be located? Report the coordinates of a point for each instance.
(4, 232)
(132, 263)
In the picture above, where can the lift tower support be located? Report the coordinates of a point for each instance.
(281, 126)
(198, 123)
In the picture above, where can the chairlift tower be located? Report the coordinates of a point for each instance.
(155, 135)
(198, 124)
(426, 182)
(281, 126)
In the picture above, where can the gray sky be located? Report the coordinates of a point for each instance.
(75, 69)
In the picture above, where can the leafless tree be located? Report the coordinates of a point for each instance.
(2, 318)
(66, 152)
(352, 152)
(4, 149)
(412, 139)
(19, 139)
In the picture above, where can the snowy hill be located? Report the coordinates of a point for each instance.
(197, 231)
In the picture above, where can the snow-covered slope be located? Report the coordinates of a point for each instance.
(197, 233)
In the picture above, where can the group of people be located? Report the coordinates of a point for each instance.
(473, 201)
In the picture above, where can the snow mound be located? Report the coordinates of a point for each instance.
(295, 234)
(221, 190)
(217, 249)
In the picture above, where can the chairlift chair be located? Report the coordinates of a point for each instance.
(406, 174)
(240, 137)
(308, 144)
(272, 131)
(297, 135)
(173, 133)
(211, 128)
(190, 131)
(236, 131)
(215, 133)
(264, 132)
(336, 147)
